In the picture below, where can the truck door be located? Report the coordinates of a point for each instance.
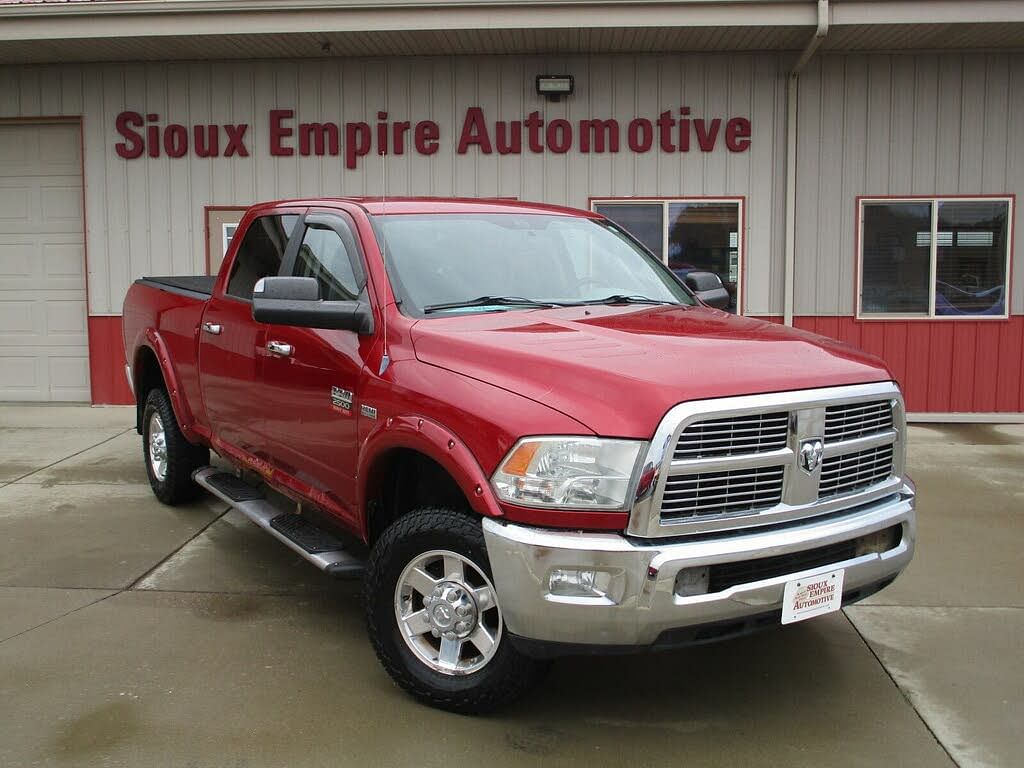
(311, 375)
(231, 342)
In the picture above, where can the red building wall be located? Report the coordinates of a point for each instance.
(943, 366)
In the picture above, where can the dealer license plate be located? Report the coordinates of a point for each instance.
(812, 596)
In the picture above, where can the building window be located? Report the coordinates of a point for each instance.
(935, 257)
(688, 234)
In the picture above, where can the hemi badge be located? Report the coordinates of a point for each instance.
(368, 411)
(341, 398)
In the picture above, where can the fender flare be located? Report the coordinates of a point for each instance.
(181, 409)
(437, 443)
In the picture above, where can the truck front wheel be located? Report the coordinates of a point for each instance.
(434, 618)
(170, 458)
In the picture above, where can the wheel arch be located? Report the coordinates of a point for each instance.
(151, 369)
(411, 462)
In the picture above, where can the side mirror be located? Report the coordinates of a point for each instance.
(296, 301)
(708, 288)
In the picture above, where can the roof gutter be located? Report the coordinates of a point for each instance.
(791, 115)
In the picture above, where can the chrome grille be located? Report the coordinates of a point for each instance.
(854, 471)
(721, 493)
(732, 462)
(852, 420)
(733, 436)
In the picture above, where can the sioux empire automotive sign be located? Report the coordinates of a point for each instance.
(671, 131)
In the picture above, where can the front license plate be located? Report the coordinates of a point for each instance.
(812, 596)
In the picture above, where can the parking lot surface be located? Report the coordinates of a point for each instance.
(134, 634)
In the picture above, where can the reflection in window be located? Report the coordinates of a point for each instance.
(323, 255)
(701, 235)
(644, 221)
(704, 237)
(970, 277)
(260, 253)
(968, 246)
(896, 258)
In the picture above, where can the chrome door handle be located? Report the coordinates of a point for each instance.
(213, 328)
(280, 349)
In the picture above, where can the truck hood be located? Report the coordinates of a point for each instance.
(618, 369)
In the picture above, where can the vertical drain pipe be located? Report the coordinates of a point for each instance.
(791, 115)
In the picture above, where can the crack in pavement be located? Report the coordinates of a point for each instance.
(899, 689)
(5, 483)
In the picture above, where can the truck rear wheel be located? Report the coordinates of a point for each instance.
(434, 618)
(170, 458)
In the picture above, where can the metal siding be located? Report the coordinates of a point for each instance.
(931, 124)
(872, 124)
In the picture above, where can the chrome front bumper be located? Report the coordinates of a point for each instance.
(640, 603)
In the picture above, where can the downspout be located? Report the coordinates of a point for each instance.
(791, 113)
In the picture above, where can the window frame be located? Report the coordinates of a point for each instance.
(665, 200)
(862, 200)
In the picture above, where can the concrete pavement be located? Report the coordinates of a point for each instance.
(134, 634)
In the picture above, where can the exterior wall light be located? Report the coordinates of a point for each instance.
(554, 87)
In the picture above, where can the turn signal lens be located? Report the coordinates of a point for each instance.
(519, 460)
(569, 472)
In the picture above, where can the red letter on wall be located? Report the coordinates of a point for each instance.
(133, 145)
(279, 131)
(737, 134)
(474, 131)
(427, 134)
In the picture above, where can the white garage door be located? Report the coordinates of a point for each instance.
(43, 338)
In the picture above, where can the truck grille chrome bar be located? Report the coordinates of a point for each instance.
(714, 493)
(845, 422)
(738, 435)
(853, 471)
(761, 459)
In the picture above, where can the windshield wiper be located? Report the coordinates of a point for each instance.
(488, 301)
(623, 298)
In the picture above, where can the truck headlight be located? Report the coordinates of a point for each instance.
(570, 472)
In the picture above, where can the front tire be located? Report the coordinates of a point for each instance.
(170, 459)
(434, 619)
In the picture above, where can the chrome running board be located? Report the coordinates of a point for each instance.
(320, 547)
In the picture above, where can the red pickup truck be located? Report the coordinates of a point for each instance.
(524, 433)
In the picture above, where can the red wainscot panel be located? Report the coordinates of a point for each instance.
(944, 366)
(106, 362)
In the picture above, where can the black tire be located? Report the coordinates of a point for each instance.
(183, 458)
(505, 677)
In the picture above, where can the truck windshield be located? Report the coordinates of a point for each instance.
(441, 264)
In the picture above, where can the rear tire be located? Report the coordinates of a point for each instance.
(434, 619)
(170, 459)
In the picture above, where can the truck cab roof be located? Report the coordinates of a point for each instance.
(376, 206)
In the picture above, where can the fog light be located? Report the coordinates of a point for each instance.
(879, 541)
(579, 582)
(692, 581)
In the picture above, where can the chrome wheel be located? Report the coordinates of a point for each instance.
(157, 447)
(448, 612)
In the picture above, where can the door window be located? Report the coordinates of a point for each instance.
(331, 259)
(260, 253)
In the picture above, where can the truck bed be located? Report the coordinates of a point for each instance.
(196, 286)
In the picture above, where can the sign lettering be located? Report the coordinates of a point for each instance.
(670, 132)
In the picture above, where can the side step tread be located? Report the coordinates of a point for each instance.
(234, 487)
(307, 535)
